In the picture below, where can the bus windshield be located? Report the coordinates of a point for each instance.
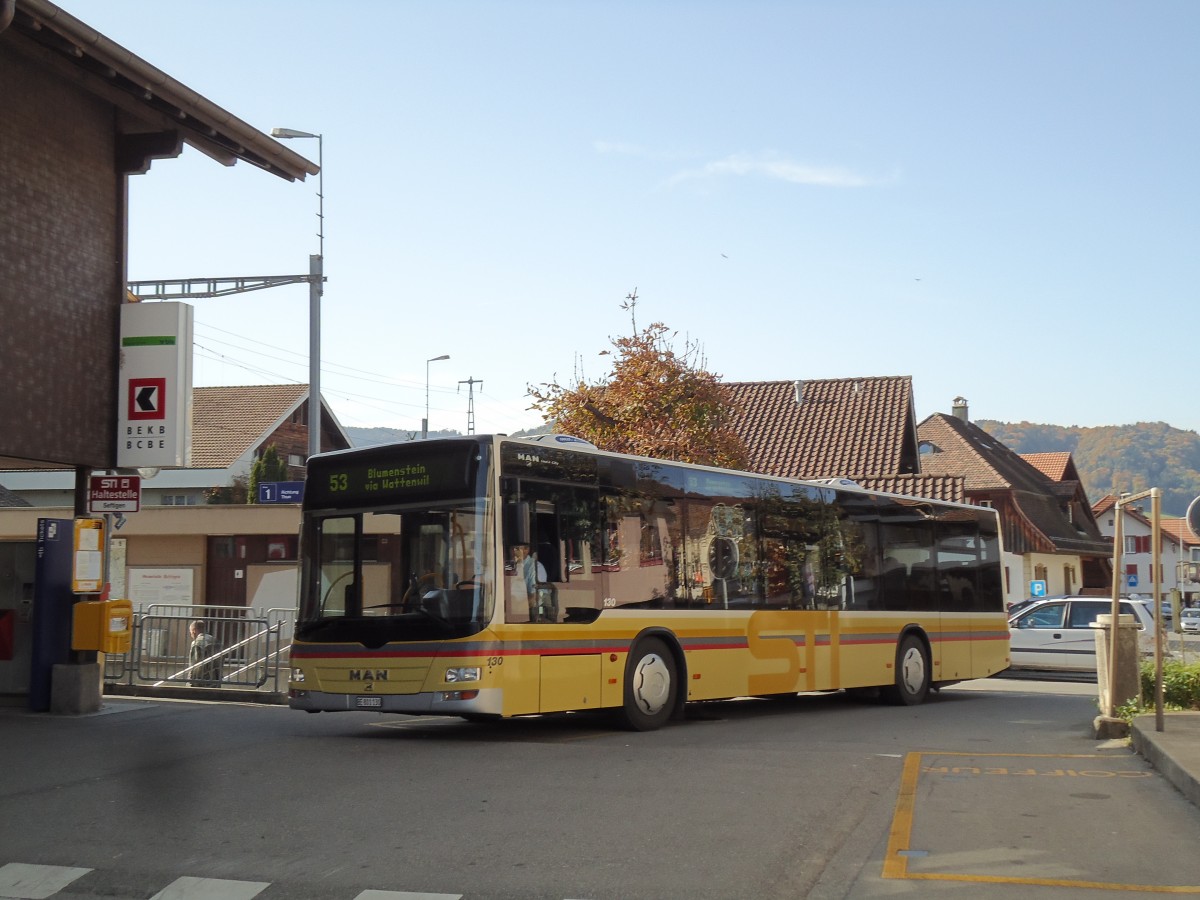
(417, 572)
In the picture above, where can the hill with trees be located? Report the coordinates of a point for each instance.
(1116, 458)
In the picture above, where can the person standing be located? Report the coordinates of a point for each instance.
(529, 573)
(203, 656)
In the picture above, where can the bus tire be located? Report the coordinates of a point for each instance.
(912, 673)
(651, 686)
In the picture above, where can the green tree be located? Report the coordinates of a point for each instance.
(656, 402)
(268, 467)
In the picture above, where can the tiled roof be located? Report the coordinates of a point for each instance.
(1055, 466)
(932, 487)
(227, 421)
(958, 447)
(10, 500)
(827, 428)
(1178, 529)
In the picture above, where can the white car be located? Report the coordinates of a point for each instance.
(1189, 619)
(1057, 633)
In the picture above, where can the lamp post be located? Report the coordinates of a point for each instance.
(316, 278)
(425, 421)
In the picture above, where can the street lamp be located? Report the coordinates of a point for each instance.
(425, 421)
(316, 278)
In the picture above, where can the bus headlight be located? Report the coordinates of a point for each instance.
(297, 674)
(462, 673)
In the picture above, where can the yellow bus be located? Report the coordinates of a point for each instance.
(487, 576)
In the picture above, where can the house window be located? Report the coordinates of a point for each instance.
(987, 504)
(1137, 543)
(295, 459)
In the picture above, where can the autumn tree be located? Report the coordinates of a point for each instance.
(656, 402)
(236, 491)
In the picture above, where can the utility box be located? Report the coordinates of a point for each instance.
(103, 625)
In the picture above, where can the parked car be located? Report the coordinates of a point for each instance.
(1014, 608)
(1056, 633)
(1189, 619)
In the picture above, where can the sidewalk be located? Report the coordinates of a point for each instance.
(1174, 751)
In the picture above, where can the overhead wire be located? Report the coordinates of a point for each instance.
(390, 407)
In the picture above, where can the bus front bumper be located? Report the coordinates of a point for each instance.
(474, 701)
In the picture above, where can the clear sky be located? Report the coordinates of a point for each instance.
(999, 199)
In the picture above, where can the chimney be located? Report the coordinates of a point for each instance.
(799, 392)
(960, 409)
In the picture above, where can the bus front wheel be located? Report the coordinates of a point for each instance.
(912, 673)
(651, 684)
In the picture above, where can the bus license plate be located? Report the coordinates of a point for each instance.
(368, 702)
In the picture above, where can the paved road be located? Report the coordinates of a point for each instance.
(995, 789)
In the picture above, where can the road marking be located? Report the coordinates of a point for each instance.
(24, 881)
(895, 862)
(404, 895)
(190, 888)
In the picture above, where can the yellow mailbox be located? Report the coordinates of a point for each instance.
(104, 625)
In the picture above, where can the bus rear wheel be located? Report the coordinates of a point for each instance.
(912, 673)
(651, 685)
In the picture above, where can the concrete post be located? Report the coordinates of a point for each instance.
(75, 688)
(1127, 684)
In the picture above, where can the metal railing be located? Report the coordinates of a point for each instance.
(250, 650)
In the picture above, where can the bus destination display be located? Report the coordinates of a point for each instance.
(399, 475)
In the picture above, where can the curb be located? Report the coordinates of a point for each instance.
(1171, 755)
(267, 698)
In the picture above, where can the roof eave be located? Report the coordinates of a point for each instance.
(200, 123)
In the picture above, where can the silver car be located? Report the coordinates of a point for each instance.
(1189, 619)
(1057, 634)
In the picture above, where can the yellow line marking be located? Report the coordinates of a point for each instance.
(895, 863)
